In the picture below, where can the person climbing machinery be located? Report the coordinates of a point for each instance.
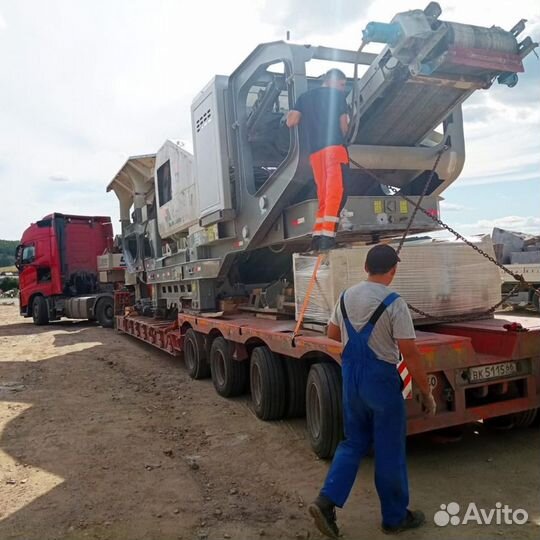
(323, 113)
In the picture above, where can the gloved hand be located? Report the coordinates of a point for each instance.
(428, 404)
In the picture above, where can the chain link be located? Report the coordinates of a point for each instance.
(421, 198)
(521, 282)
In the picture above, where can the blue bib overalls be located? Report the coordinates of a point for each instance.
(373, 415)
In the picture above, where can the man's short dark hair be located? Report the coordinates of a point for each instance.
(334, 74)
(381, 259)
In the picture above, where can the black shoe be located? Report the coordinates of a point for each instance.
(326, 243)
(315, 240)
(413, 520)
(323, 511)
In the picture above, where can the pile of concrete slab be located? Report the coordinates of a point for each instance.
(516, 248)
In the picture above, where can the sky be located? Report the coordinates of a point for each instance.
(84, 85)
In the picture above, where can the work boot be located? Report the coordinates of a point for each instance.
(412, 520)
(315, 240)
(323, 511)
(326, 243)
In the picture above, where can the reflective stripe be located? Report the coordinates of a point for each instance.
(328, 226)
(331, 234)
(331, 219)
(319, 220)
(406, 378)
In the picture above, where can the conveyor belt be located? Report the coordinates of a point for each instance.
(407, 112)
(407, 92)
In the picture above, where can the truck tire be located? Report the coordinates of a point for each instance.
(40, 311)
(195, 355)
(105, 312)
(323, 408)
(267, 382)
(523, 419)
(296, 372)
(228, 375)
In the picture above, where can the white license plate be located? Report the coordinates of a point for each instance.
(493, 371)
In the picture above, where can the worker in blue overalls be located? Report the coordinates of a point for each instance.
(375, 325)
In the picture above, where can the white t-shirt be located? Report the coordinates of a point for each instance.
(361, 301)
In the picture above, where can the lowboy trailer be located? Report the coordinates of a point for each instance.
(477, 369)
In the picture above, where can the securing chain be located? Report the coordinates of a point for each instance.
(421, 198)
(521, 282)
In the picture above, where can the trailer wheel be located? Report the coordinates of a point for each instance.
(105, 312)
(228, 375)
(323, 408)
(40, 311)
(296, 380)
(518, 420)
(195, 355)
(267, 381)
(525, 419)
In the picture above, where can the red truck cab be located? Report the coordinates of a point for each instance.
(58, 274)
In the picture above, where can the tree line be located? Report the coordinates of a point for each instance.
(7, 252)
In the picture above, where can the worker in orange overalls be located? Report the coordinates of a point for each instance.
(323, 113)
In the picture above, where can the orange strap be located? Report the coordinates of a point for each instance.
(308, 295)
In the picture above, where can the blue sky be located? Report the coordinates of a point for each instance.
(83, 85)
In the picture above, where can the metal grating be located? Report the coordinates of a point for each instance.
(406, 113)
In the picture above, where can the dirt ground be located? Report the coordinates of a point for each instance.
(103, 437)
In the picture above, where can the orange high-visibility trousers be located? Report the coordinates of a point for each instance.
(326, 164)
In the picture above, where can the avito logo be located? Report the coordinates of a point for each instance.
(449, 514)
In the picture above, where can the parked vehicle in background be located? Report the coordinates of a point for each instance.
(58, 259)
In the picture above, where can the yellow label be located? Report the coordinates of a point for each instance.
(403, 207)
(378, 207)
(211, 233)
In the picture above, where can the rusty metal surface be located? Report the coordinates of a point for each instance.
(439, 350)
(419, 423)
(163, 335)
(497, 323)
(406, 113)
(489, 337)
(484, 59)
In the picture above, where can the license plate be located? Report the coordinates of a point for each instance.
(493, 371)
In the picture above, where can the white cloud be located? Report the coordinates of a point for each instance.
(58, 178)
(524, 224)
(3, 23)
(452, 207)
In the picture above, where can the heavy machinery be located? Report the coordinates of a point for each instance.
(252, 195)
(66, 269)
(201, 230)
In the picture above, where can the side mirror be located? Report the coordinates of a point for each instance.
(18, 256)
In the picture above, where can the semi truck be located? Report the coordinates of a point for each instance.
(67, 269)
(203, 232)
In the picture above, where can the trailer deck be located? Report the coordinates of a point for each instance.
(477, 369)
